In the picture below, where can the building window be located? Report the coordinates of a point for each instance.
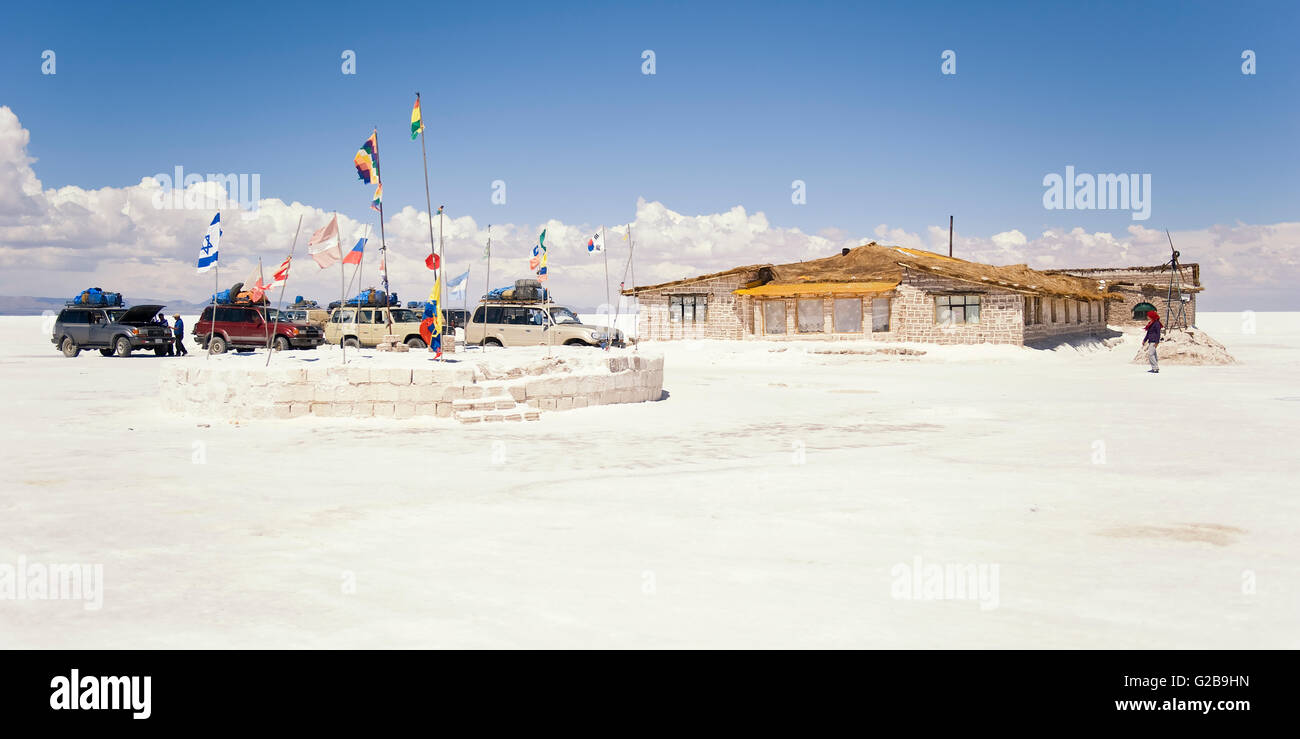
(1029, 311)
(1078, 312)
(1038, 310)
(1140, 311)
(956, 310)
(847, 317)
(688, 308)
(773, 316)
(880, 315)
(808, 314)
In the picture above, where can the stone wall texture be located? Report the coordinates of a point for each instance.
(1142, 286)
(445, 391)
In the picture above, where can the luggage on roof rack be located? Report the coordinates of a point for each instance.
(521, 290)
(96, 297)
(237, 295)
(369, 298)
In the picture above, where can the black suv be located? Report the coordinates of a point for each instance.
(114, 331)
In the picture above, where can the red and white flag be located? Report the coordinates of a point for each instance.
(253, 284)
(281, 274)
(324, 245)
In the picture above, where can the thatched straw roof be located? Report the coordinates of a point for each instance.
(873, 263)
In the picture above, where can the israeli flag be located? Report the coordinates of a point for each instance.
(456, 285)
(211, 240)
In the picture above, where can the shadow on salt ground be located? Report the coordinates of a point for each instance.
(1100, 340)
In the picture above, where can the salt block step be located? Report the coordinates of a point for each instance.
(483, 404)
(522, 413)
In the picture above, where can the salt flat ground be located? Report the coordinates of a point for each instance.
(767, 501)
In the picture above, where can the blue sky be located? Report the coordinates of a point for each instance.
(746, 98)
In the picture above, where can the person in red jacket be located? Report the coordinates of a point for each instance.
(1152, 340)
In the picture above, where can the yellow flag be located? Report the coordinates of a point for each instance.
(437, 307)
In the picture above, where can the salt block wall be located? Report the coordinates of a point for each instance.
(405, 392)
(913, 318)
(727, 317)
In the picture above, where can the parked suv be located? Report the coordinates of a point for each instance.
(247, 327)
(358, 327)
(111, 330)
(455, 318)
(527, 323)
(315, 316)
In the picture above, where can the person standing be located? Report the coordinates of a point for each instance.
(1152, 340)
(178, 333)
(161, 319)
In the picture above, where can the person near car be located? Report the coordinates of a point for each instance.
(178, 332)
(161, 319)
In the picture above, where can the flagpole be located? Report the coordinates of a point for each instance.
(343, 297)
(428, 201)
(383, 243)
(442, 289)
(216, 277)
(283, 286)
(604, 248)
(631, 249)
(487, 286)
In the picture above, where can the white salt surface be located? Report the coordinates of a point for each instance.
(765, 502)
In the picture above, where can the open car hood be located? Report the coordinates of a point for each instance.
(140, 314)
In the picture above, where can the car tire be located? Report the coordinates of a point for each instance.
(121, 347)
(217, 345)
(106, 352)
(490, 341)
(352, 343)
(69, 347)
(280, 344)
(576, 342)
(159, 352)
(416, 342)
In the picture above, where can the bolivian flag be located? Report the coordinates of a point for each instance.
(417, 123)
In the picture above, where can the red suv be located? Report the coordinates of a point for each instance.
(245, 328)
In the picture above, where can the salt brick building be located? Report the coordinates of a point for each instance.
(880, 293)
(1143, 289)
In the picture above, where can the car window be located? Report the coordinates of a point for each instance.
(365, 316)
(564, 315)
(494, 314)
(74, 316)
(402, 315)
(536, 317)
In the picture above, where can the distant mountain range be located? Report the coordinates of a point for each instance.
(25, 305)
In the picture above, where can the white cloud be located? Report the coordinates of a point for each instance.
(57, 241)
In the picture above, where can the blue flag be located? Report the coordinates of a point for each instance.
(456, 285)
(211, 241)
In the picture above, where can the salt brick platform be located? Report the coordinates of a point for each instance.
(501, 385)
